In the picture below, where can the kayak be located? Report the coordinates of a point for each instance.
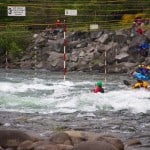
(128, 83)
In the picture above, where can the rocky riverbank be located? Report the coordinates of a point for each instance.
(78, 131)
(118, 52)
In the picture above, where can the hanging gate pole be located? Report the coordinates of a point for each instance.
(65, 50)
(6, 60)
(35, 60)
(105, 64)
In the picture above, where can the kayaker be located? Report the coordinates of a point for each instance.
(98, 87)
(140, 84)
(140, 76)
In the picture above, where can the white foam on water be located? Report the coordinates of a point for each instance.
(134, 100)
(23, 87)
(48, 96)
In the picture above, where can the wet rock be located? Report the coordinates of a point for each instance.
(47, 147)
(1, 148)
(87, 51)
(94, 145)
(39, 143)
(134, 142)
(112, 140)
(78, 136)
(103, 38)
(26, 145)
(61, 138)
(122, 57)
(115, 128)
(65, 147)
(12, 138)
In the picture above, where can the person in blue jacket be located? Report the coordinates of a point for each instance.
(140, 76)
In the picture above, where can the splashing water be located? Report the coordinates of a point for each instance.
(47, 93)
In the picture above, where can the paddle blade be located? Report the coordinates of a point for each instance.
(126, 82)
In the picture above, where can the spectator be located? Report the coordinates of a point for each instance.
(140, 31)
(137, 26)
(138, 21)
(144, 49)
(58, 23)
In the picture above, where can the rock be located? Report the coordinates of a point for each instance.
(39, 39)
(61, 138)
(134, 142)
(94, 47)
(82, 45)
(95, 35)
(65, 147)
(12, 138)
(94, 145)
(39, 143)
(55, 45)
(76, 136)
(147, 34)
(1, 148)
(122, 57)
(112, 140)
(47, 147)
(103, 38)
(124, 49)
(136, 41)
(26, 145)
(55, 61)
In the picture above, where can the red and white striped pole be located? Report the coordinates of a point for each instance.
(65, 42)
(6, 60)
(105, 64)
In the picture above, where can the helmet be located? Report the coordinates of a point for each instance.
(148, 67)
(99, 84)
(141, 66)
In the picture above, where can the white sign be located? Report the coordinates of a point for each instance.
(70, 12)
(93, 26)
(16, 11)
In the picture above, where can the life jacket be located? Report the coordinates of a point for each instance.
(98, 89)
(140, 84)
(58, 23)
(140, 76)
(140, 31)
(145, 45)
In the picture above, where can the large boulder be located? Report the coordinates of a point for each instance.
(94, 145)
(86, 51)
(12, 138)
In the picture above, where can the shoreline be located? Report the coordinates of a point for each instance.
(121, 124)
(100, 121)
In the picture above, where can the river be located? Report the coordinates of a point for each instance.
(42, 101)
(47, 92)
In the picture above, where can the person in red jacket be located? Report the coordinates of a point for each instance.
(98, 87)
(58, 23)
(140, 31)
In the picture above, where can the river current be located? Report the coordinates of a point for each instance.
(47, 92)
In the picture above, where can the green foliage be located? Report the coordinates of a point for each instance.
(89, 11)
(14, 42)
(10, 44)
(112, 15)
(96, 61)
(58, 129)
(127, 18)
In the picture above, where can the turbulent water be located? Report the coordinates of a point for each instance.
(43, 101)
(46, 92)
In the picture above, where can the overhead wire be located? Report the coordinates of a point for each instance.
(63, 4)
